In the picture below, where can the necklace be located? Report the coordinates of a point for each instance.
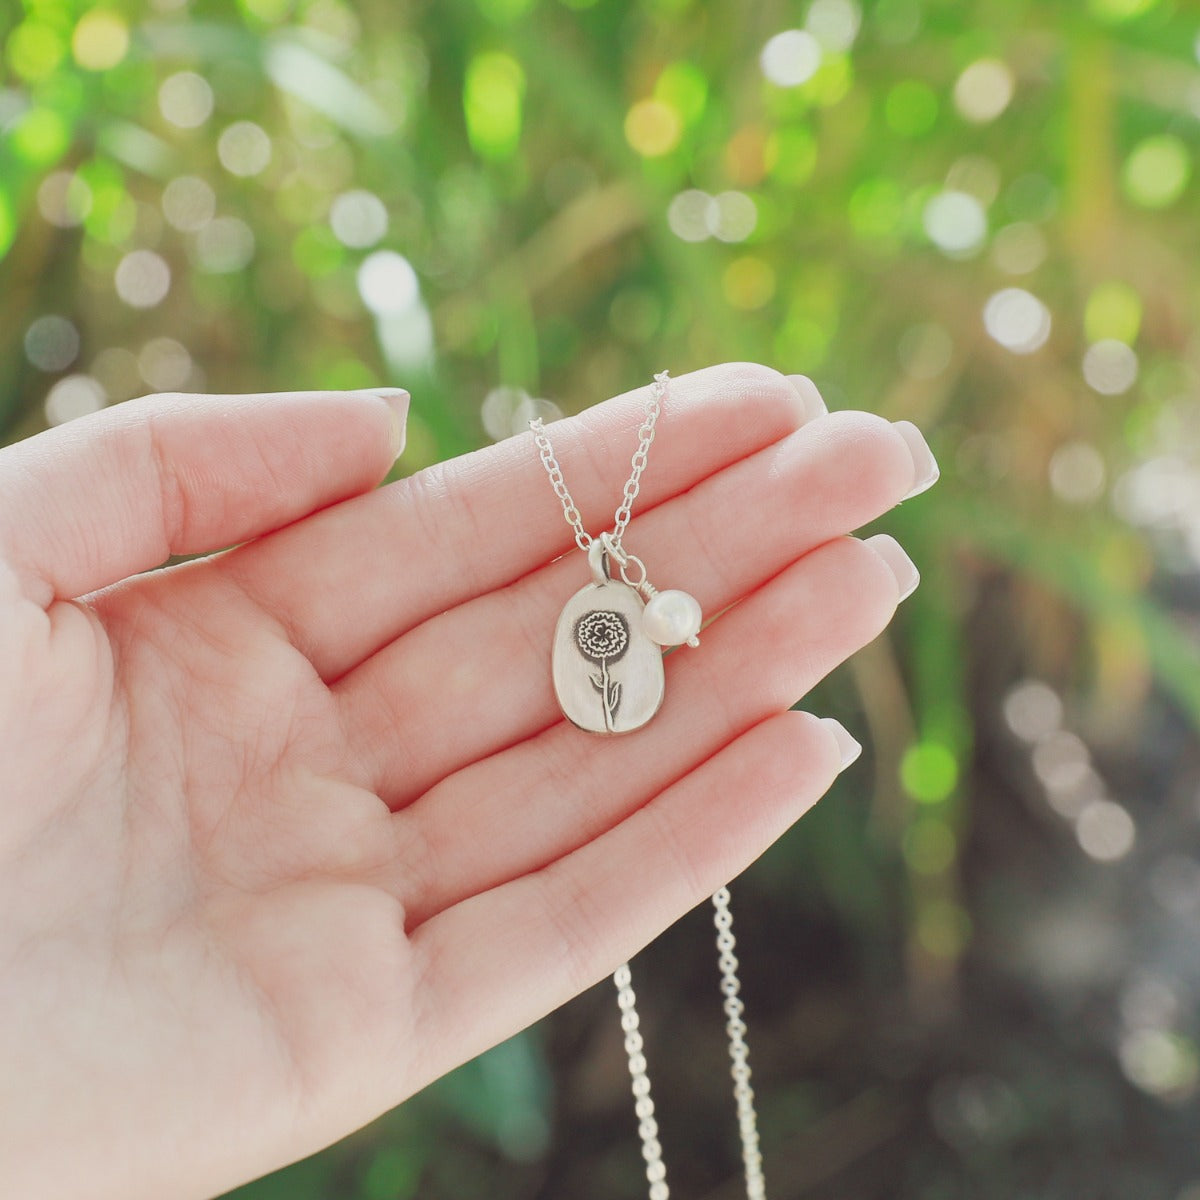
(608, 678)
(607, 662)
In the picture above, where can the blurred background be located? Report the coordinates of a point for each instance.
(973, 971)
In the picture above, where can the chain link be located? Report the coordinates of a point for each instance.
(633, 484)
(739, 1053)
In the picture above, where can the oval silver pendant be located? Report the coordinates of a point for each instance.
(608, 675)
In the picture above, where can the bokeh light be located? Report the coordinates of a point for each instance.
(984, 90)
(1033, 710)
(834, 23)
(977, 175)
(930, 846)
(34, 49)
(358, 218)
(1113, 311)
(507, 411)
(64, 199)
(1120, 10)
(790, 58)
(1018, 320)
(51, 343)
(956, 223)
(493, 97)
(1162, 1063)
(244, 148)
(223, 245)
(188, 203)
(39, 136)
(1019, 248)
(100, 40)
(164, 364)
(1157, 171)
(692, 215)
(733, 216)
(928, 771)
(1061, 760)
(748, 282)
(185, 99)
(1077, 472)
(653, 128)
(71, 397)
(1106, 831)
(388, 284)
(115, 369)
(142, 279)
(1110, 367)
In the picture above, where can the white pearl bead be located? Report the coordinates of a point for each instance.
(671, 618)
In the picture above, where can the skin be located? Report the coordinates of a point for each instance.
(288, 831)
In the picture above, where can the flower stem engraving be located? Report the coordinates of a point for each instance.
(603, 636)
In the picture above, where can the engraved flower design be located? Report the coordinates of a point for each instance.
(602, 635)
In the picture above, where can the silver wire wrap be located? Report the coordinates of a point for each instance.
(583, 539)
(739, 1053)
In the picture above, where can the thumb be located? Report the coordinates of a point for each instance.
(93, 501)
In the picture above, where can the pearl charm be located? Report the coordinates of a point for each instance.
(672, 618)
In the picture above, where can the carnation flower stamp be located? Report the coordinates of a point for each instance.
(608, 674)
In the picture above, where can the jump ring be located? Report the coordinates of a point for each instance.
(615, 550)
(641, 566)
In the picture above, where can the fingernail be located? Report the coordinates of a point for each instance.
(925, 468)
(849, 748)
(811, 403)
(397, 399)
(903, 567)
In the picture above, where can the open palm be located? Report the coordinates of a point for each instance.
(289, 831)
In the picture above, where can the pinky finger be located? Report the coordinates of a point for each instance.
(498, 961)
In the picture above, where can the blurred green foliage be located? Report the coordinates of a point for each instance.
(976, 214)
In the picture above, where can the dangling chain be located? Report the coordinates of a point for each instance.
(735, 1025)
(739, 1052)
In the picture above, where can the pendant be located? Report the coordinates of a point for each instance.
(608, 674)
(607, 662)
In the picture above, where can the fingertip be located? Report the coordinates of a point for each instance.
(812, 403)
(397, 401)
(897, 559)
(848, 748)
(925, 468)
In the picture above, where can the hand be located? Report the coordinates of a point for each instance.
(288, 831)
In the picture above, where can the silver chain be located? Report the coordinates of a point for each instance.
(583, 539)
(643, 1105)
(735, 1025)
(739, 1055)
(739, 1052)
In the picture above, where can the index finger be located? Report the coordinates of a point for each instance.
(355, 577)
(91, 502)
